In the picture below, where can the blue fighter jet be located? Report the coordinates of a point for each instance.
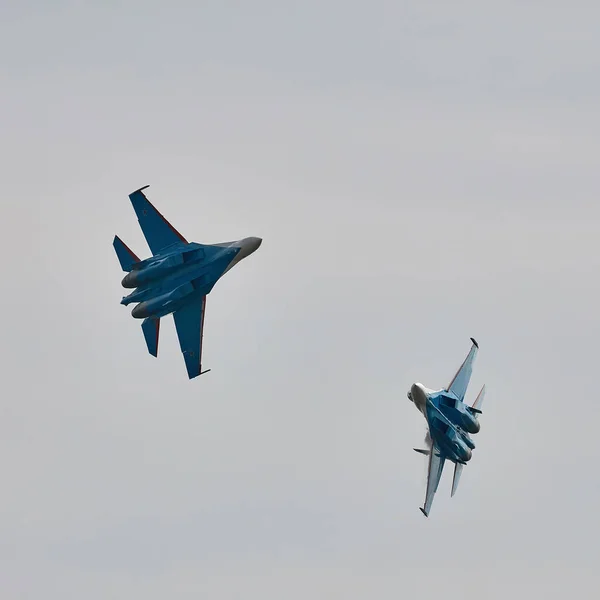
(449, 423)
(176, 279)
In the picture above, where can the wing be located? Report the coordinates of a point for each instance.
(434, 473)
(460, 382)
(189, 322)
(159, 233)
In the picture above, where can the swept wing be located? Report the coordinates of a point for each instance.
(189, 322)
(460, 382)
(159, 233)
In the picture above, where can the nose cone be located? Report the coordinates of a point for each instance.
(252, 244)
(418, 396)
(248, 246)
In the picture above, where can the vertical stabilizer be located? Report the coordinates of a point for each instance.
(126, 256)
(479, 400)
(151, 328)
(457, 473)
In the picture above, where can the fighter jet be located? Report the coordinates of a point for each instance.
(449, 423)
(176, 279)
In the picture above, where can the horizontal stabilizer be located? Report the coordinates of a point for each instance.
(151, 328)
(126, 256)
(457, 473)
(425, 452)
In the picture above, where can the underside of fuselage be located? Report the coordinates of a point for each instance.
(447, 430)
(452, 444)
(167, 282)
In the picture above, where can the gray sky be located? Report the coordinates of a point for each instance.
(420, 173)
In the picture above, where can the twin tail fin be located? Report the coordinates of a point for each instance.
(127, 257)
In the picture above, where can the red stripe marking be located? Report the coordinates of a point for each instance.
(131, 252)
(202, 331)
(157, 332)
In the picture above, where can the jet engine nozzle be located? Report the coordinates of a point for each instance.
(462, 452)
(471, 424)
(140, 311)
(130, 280)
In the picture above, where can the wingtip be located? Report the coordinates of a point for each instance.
(475, 342)
(198, 374)
(139, 190)
(423, 511)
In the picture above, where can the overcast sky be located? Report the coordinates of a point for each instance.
(420, 172)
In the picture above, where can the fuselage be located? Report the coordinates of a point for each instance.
(452, 438)
(167, 281)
